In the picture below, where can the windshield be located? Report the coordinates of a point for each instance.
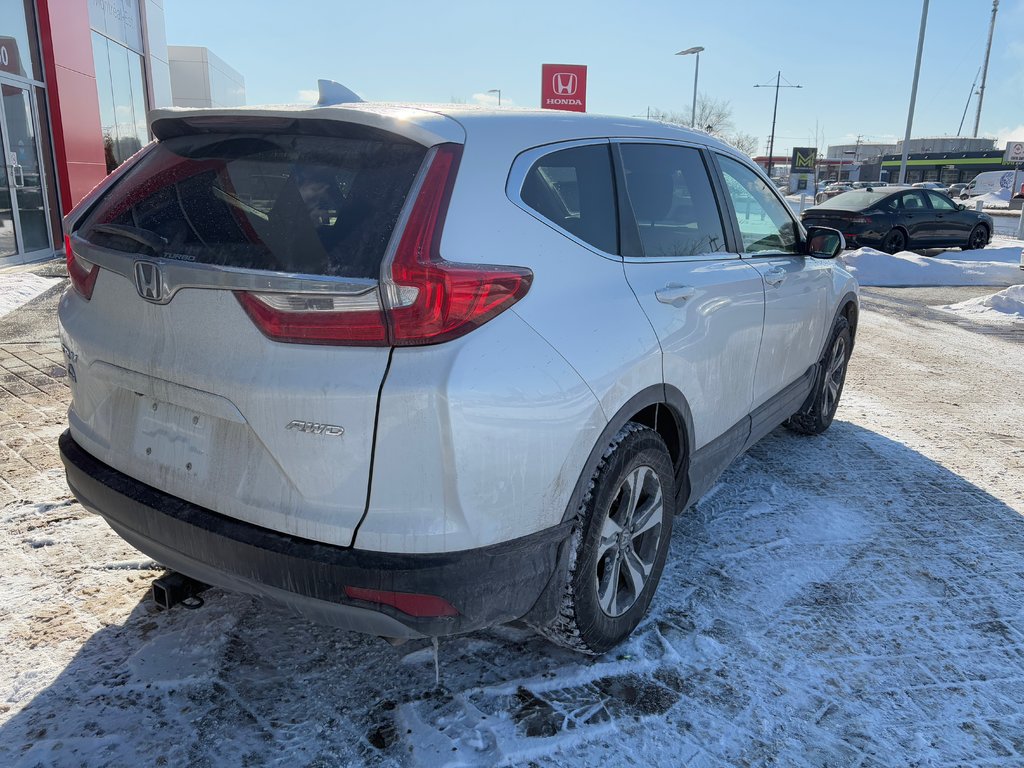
(291, 203)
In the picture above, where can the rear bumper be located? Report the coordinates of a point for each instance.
(486, 586)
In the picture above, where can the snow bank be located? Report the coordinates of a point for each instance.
(20, 288)
(1005, 306)
(998, 264)
(998, 199)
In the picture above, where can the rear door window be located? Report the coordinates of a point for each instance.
(306, 204)
(573, 189)
(913, 201)
(673, 203)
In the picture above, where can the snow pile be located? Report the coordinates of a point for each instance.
(995, 265)
(20, 288)
(1007, 305)
(998, 199)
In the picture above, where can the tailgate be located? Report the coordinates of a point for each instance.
(232, 349)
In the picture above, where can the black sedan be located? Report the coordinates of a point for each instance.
(899, 219)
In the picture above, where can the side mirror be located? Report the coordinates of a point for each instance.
(824, 242)
(961, 207)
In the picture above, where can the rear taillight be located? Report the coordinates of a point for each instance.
(860, 220)
(428, 299)
(410, 603)
(423, 298)
(318, 319)
(82, 273)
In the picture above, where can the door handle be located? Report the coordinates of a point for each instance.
(775, 276)
(675, 294)
(15, 167)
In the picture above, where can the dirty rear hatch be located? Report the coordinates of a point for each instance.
(232, 351)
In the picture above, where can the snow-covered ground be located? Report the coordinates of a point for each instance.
(19, 288)
(848, 600)
(1005, 306)
(998, 264)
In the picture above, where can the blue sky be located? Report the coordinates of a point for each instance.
(854, 59)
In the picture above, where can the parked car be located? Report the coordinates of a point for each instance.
(418, 371)
(902, 219)
(954, 190)
(831, 191)
(869, 184)
(986, 183)
(928, 185)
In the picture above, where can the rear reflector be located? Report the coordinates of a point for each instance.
(317, 318)
(422, 606)
(83, 273)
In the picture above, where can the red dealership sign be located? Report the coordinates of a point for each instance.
(10, 61)
(564, 86)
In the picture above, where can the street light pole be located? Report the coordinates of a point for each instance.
(696, 71)
(497, 91)
(913, 94)
(775, 112)
(984, 69)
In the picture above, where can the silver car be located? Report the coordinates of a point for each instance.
(415, 371)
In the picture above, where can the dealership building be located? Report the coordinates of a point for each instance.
(77, 78)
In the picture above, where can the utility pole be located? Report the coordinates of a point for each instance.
(968, 104)
(984, 68)
(913, 93)
(775, 112)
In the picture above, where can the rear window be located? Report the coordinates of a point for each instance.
(291, 203)
(854, 200)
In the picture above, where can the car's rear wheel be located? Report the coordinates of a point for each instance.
(619, 544)
(895, 241)
(819, 412)
(977, 240)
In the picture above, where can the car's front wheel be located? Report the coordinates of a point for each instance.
(819, 411)
(977, 240)
(619, 544)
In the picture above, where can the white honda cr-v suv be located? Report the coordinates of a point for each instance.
(416, 370)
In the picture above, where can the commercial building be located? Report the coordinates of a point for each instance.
(77, 78)
(944, 167)
(200, 78)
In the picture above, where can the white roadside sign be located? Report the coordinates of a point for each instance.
(1014, 152)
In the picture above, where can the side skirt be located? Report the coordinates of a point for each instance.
(709, 462)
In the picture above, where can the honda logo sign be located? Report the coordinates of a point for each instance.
(564, 86)
(564, 83)
(147, 281)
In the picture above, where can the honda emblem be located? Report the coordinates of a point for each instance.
(147, 280)
(564, 83)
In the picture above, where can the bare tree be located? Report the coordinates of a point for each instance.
(713, 116)
(746, 143)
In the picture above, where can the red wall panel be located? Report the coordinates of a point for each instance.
(71, 92)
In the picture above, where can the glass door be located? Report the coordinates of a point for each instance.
(23, 215)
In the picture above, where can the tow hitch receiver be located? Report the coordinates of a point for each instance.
(174, 588)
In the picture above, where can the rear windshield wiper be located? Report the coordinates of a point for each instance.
(147, 237)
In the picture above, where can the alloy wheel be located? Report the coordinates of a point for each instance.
(629, 541)
(834, 374)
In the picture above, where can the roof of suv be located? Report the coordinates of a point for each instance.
(430, 124)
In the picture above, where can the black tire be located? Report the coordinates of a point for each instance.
(895, 241)
(601, 562)
(820, 409)
(977, 240)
